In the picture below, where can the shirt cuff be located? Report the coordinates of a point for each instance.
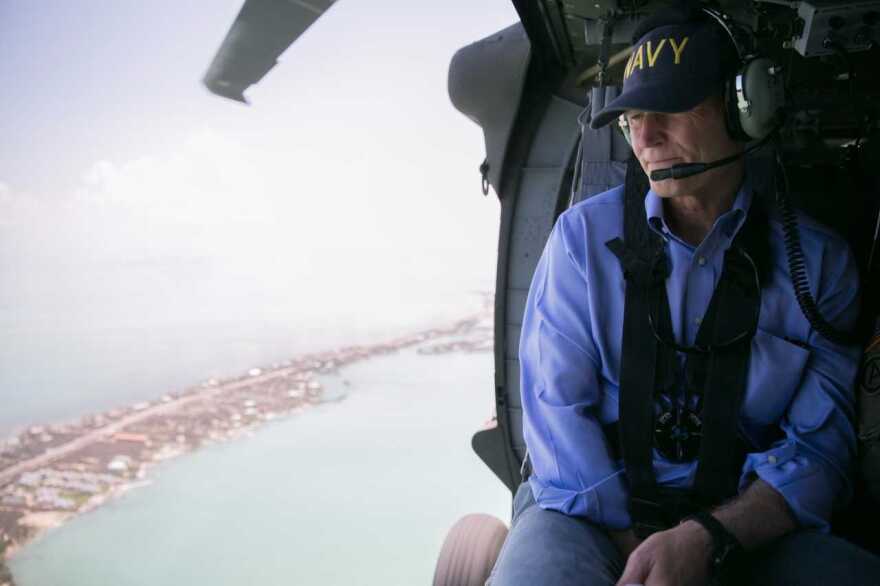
(807, 487)
(605, 503)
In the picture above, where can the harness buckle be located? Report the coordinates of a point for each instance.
(670, 507)
(647, 517)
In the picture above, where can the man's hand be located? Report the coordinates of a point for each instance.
(675, 557)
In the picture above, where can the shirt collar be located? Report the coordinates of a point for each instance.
(727, 225)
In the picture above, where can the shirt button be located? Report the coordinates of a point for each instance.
(701, 261)
(698, 320)
(771, 459)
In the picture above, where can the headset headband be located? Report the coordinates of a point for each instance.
(722, 18)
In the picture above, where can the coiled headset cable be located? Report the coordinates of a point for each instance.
(797, 266)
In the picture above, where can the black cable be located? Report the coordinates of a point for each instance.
(797, 266)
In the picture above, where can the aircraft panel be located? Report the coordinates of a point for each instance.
(558, 130)
(512, 367)
(516, 419)
(516, 305)
(532, 224)
(512, 341)
(485, 83)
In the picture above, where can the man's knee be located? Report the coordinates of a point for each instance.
(548, 547)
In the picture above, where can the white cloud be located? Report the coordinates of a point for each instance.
(365, 228)
(19, 209)
(206, 180)
(100, 173)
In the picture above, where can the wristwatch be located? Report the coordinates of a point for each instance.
(725, 547)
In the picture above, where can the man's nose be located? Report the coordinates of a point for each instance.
(651, 130)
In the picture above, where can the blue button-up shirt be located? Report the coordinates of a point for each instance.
(799, 385)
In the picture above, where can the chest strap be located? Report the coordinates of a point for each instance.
(716, 368)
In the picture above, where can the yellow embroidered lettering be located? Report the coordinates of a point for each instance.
(652, 56)
(638, 59)
(629, 63)
(677, 49)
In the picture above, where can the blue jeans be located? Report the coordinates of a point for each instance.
(547, 547)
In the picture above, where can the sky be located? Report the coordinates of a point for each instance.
(350, 175)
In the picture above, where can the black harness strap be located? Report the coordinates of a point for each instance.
(736, 302)
(723, 388)
(645, 269)
(718, 374)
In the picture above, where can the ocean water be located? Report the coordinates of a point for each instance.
(80, 337)
(357, 491)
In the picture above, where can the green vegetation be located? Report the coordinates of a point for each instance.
(78, 498)
(5, 574)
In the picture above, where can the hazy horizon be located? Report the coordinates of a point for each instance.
(153, 234)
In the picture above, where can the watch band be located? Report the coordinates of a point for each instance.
(724, 544)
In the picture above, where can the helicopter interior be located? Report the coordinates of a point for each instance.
(533, 88)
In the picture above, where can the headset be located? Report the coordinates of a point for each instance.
(754, 96)
(754, 101)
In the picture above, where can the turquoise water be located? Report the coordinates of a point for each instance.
(359, 491)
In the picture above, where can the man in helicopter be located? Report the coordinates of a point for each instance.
(685, 422)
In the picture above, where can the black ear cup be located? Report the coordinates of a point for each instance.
(760, 97)
(755, 95)
(731, 111)
(754, 99)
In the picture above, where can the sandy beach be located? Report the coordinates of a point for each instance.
(51, 473)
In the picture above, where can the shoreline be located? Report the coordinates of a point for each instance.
(51, 474)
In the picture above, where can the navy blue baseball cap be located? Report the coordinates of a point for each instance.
(673, 68)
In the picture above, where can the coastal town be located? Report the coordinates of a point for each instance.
(49, 473)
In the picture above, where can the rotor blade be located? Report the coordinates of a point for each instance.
(262, 31)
